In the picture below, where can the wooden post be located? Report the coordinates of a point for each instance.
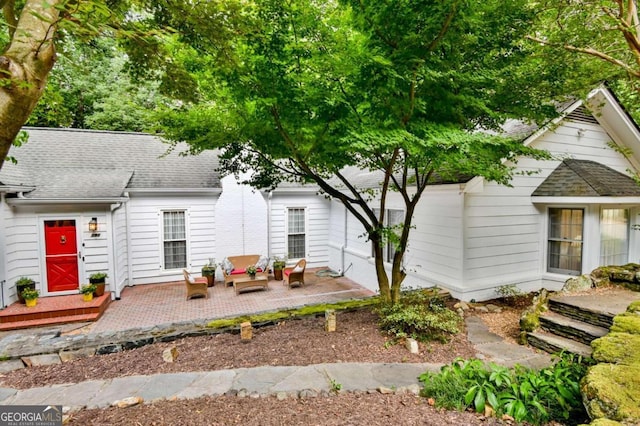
(246, 331)
(330, 320)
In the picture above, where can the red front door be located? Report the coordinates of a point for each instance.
(61, 252)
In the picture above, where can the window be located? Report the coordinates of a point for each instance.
(565, 240)
(174, 239)
(614, 237)
(296, 236)
(392, 219)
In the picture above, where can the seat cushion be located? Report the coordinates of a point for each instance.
(287, 272)
(237, 271)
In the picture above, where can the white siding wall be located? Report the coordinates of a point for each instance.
(505, 233)
(25, 248)
(146, 240)
(317, 225)
(434, 253)
(241, 219)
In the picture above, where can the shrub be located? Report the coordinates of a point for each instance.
(551, 394)
(419, 314)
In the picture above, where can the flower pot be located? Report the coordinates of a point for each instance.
(277, 274)
(20, 289)
(99, 289)
(87, 297)
(210, 273)
(252, 276)
(31, 302)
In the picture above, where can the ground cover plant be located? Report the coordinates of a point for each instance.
(526, 395)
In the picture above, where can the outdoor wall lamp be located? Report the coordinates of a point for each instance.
(93, 224)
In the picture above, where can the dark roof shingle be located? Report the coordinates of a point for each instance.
(584, 178)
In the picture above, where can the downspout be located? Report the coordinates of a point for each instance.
(114, 249)
(344, 243)
(269, 224)
(3, 263)
(127, 225)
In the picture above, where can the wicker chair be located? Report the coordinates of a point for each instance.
(295, 276)
(194, 287)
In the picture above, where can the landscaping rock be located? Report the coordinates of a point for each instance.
(613, 392)
(618, 348)
(10, 365)
(170, 354)
(493, 308)
(128, 402)
(38, 360)
(411, 345)
(530, 318)
(626, 323)
(634, 307)
(605, 422)
(577, 284)
(66, 356)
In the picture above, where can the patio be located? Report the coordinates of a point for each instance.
(153, 304)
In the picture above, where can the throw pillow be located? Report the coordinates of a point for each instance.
(227, 265)
(262, 263)
(191, 279)
(298, 269)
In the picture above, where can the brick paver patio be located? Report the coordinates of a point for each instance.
(153, 304)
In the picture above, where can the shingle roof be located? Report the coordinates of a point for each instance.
(583, 178)
(71, 163)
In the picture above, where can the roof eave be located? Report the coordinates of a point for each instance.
(173, 190)
(49, 201)
(585, 200)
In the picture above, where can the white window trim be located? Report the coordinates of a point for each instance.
(306, 231)
(385, 250)
(585, 242)
(187, 235)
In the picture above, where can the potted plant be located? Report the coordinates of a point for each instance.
(87, 292)
(278, 265)
(30, 296)
(99, 280)
(251, 270)
(22, 284)
(209, 271)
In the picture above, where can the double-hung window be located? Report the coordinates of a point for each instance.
(296, 233)
(565, 240)
(174, 239)
(614, 236)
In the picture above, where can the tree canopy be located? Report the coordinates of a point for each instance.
(400, 89)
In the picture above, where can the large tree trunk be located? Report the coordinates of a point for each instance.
(24, 68)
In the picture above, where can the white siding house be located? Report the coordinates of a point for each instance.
(158, 211)
(476, 236)
(154, 210)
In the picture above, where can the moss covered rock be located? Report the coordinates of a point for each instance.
(617, 348)
(613, 392)
(530, 318)
(626, 323)
(576, 284)
(634, 307)
(605, 422)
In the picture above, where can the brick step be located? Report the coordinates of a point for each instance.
(17, 325)
(555, 344)
(571, 328)
(53, 310)
(586, 315)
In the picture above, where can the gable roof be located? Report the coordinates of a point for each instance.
(72, 164)
(584, 178)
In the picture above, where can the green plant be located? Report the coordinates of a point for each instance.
(508, 291)
(551, 394)
(335, 387)
(279, 262)
(98, 277)
(24, 281)
(251, 270)
(419, 314)
(88, 289)
(30, 294)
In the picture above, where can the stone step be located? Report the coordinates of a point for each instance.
(581, 313)
(555, 344)
(571, 328)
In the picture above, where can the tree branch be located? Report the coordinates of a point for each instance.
(589, 51)
(8, 10)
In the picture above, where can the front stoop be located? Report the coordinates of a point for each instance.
(574, 321)
(53, 310)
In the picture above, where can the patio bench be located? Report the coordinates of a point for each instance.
(237, 266)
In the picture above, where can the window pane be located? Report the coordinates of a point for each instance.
(614, 236)
(296, 246)
(175, 242)
(565, 241)
(296, 237)
(296, 221)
